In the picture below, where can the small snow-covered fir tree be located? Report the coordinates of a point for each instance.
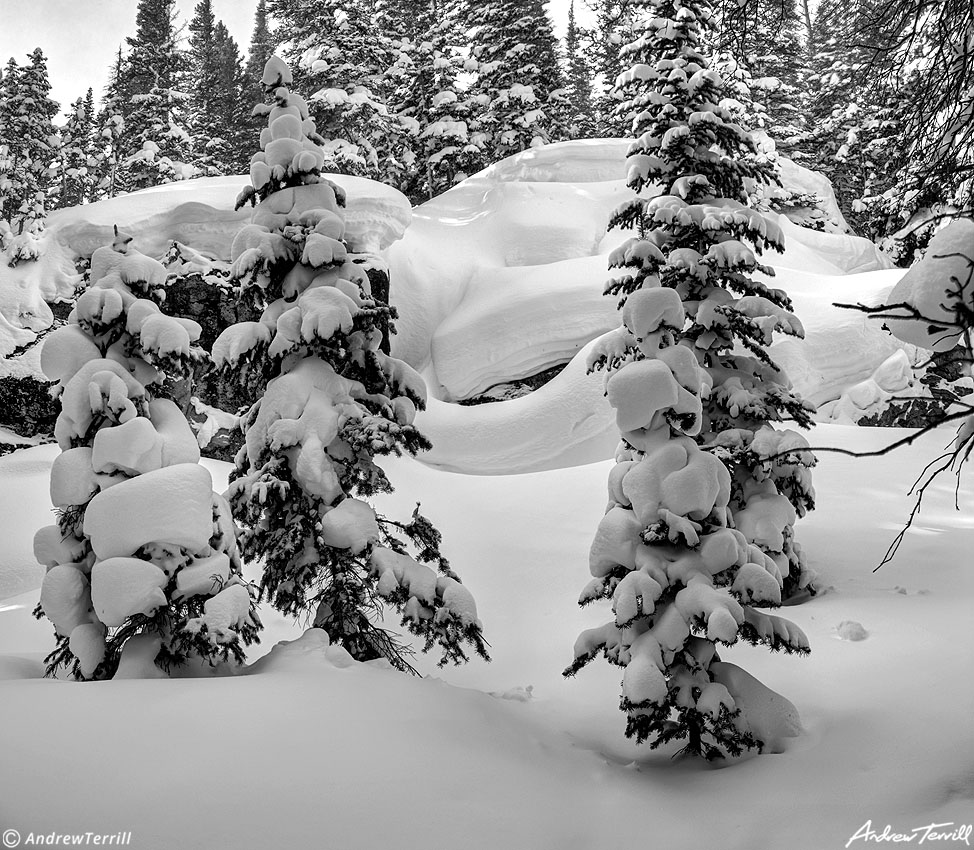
(333, 403)
(143, 566)
(694, 541)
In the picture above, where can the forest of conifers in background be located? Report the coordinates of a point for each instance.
(875, 94)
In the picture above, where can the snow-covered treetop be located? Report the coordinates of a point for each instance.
(291, 151)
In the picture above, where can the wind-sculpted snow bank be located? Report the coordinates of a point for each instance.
(499, 278)
(567, 422)
(200, 213)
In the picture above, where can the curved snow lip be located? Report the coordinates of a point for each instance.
(567, 422)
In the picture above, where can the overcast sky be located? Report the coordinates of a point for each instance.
(80, 37)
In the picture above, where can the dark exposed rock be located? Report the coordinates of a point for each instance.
(61, 310)
(26, 405)
(212, 301)
(515, 389)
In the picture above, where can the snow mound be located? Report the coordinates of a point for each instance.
(851, 630)
(27, 289)
(938, 288)
(566, 422)
(200, 214)
(501, 278)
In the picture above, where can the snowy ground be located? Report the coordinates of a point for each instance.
(306, 747)
(495, 280)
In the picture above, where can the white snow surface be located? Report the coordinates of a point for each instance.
(552, 771)
(200, 213)
(482, 274)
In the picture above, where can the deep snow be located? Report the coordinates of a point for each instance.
(494, 280)
(307, 748)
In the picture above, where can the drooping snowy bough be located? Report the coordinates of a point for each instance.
(333, 403)
(143, 567)
(698, 534)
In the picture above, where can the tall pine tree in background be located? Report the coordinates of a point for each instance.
(518, 85)
(78, 154)
(28, 152)
(335, 49)
(426, 96)
(581, 117)
(695, 541)
(203, 119)
(156, 146)
(766, 36)
(217, 82)
(892, 106)
(109, 136)
(614, 28)
(263, 43)
(8, 184)
(231, 101)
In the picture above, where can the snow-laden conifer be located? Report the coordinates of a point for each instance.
(518, 88)
(698, 535)
(334, 402)
(28, 153)
(427, 98)
(143, 570)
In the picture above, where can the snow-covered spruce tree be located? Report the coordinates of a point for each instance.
(142, 564)
(695, 540)
(77, 154)
(518, 83)
(428, 100)
(31, 144)
(708, 243)
(334, 402)
(581, 106)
